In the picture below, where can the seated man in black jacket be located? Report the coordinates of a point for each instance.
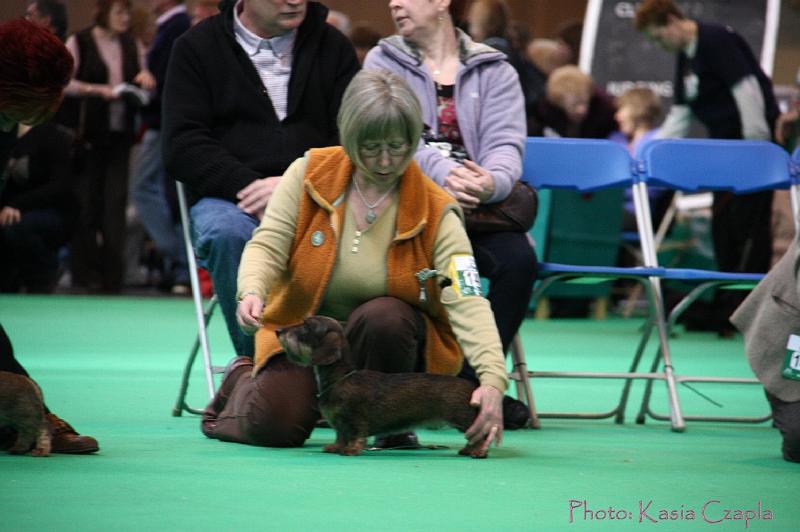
(247, 92)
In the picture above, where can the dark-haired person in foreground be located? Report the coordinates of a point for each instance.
(34, 69)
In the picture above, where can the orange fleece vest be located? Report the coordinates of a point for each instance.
(298, 293)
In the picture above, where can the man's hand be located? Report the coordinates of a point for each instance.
(9, 216)
(254, 197)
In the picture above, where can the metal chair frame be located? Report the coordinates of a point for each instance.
(692, 165)
(576, 164)
(203, 316)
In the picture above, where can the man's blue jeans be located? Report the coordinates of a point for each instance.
(149, 196)
(220, 230)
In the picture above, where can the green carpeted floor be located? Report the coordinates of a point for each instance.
(111, 366)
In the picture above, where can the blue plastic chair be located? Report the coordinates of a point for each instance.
(685, 165)
(586, 165)
(795, 190)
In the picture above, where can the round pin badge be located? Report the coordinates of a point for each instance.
(317, 238)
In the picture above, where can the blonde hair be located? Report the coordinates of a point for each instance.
(378, 104)
(565, 80)
(547, 54)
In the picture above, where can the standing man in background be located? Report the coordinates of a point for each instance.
(151, 186)
(719, 82)
(248, 91)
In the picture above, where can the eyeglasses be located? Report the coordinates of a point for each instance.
(373, 149)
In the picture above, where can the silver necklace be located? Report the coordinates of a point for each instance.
(371, 215)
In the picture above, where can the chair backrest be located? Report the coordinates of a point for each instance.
(584, 165)
(738, 166)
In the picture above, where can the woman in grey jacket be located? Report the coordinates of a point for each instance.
(474, 112)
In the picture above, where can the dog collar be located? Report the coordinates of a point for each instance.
(334, 383)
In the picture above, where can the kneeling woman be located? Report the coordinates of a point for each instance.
(351, 233)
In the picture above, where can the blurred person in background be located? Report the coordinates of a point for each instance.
(102, 117)
(719, 82)
(575, 107)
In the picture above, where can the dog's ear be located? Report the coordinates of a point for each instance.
(329, 349)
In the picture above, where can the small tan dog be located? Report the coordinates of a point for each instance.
(361, 403)
(22, 408)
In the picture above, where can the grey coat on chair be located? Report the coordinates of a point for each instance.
(767, 317)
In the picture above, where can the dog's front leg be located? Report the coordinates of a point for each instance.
(337, 446)
(354, 446)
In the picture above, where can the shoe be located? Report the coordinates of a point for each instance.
(406, 440)
(229, 379)
(66, 440)
(180, 289)
(515, 414)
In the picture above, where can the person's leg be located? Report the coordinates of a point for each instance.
(740, 230)
(220, 230)
(84, 252)
(786, 417)
(509, 262)
(115, 194)
(64, 438)
(386, 334)
(34, 243)
(276, 408)
(149, 196)
(7, 360)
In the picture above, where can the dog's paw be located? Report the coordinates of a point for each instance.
(332, 448)
(40, 452)
(354, 448)
(474, 452)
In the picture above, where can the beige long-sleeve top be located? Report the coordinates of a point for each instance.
(360, 276)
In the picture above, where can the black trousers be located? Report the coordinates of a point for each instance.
(98, 243)
(741, 231)
(509, 262)
(7, 360)
(786, 418)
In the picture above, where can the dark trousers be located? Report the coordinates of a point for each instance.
(30, 251)
(509, 262)
(741, 231)
(278, 407)
(7, 360)
(99, 241)
(786, 418)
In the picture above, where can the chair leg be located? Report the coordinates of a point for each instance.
(542, 309)
(676, 416)
(623, 400)
(600, 311)
(520, 376)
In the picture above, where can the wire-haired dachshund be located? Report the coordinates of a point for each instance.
(22, 409)
(361, 403)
